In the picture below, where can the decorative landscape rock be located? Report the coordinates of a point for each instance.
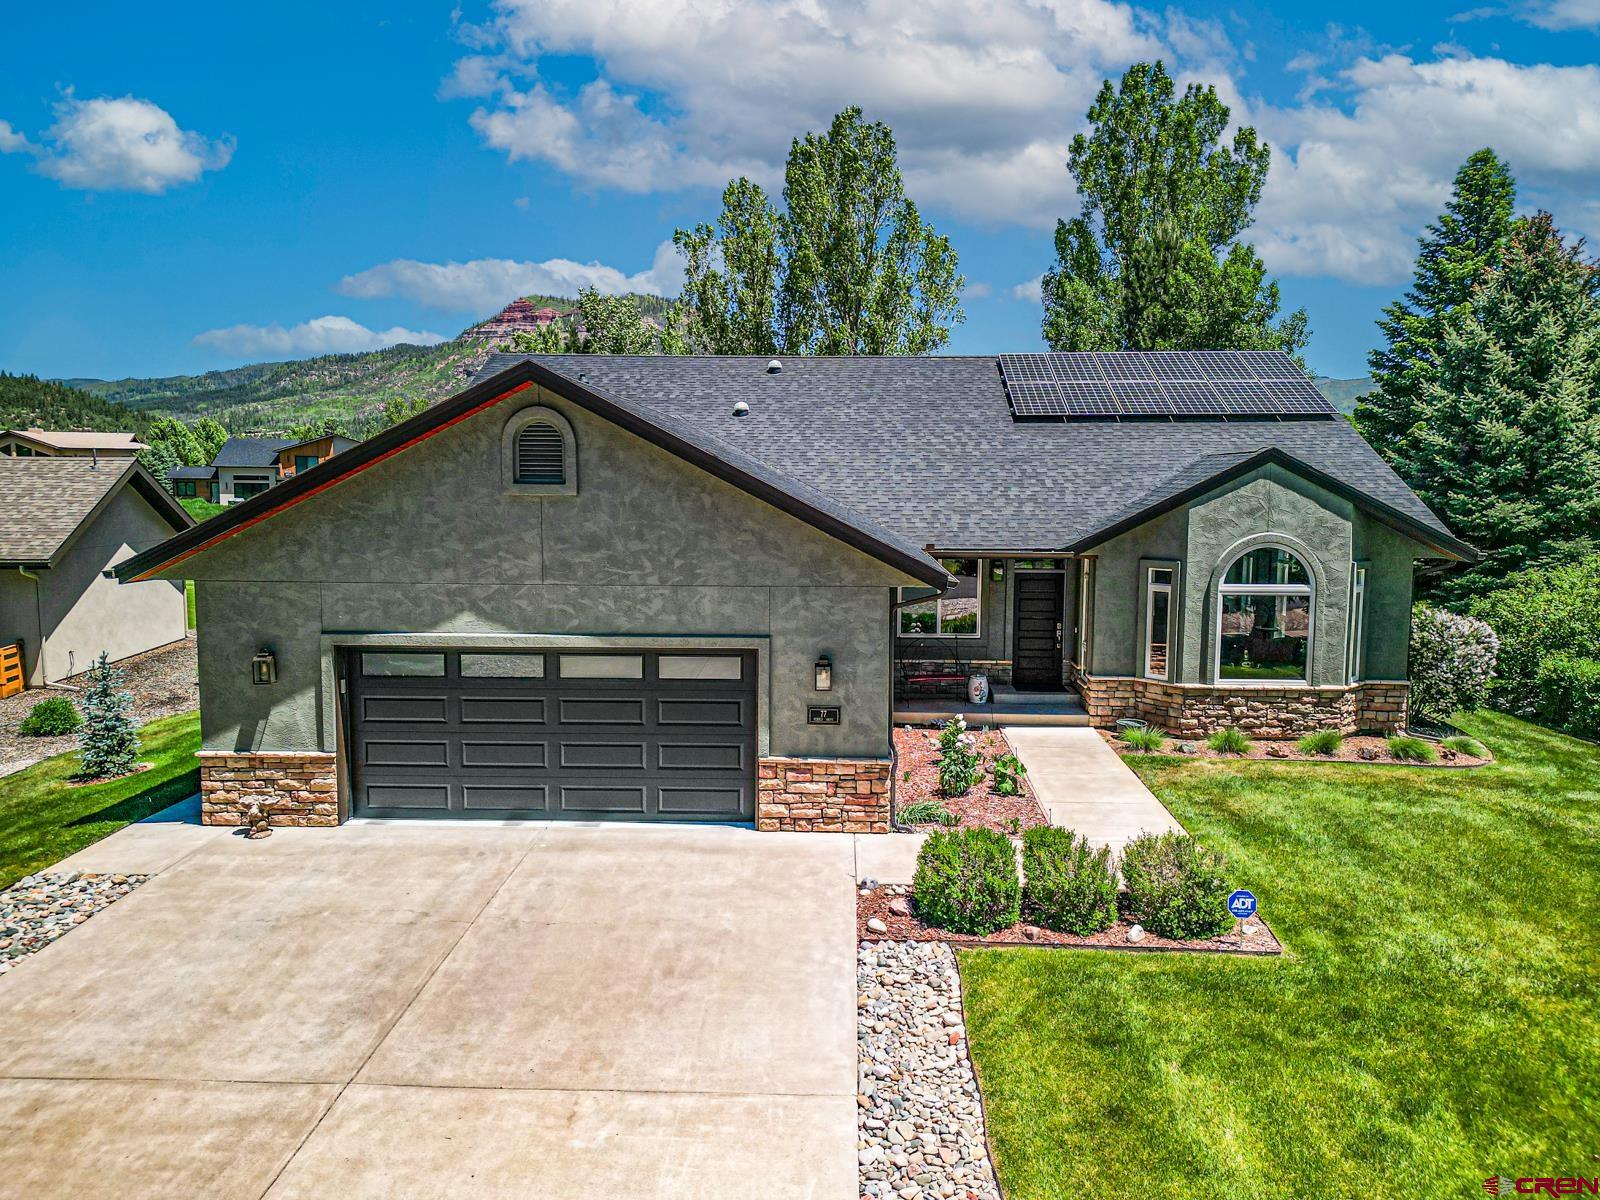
(35, 911)
(919, 1121)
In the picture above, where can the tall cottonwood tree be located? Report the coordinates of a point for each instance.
(1154, 260)
(847, 266)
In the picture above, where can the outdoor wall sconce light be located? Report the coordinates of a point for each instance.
(264, 667)
(823, 670)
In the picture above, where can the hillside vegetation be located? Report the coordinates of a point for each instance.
(26, 400)
(1344, 393)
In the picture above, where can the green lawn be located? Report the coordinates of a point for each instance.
(1435, 1022)
(44, 818)
(202, 510)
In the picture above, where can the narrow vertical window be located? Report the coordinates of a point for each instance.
(1158, 621)
(1358, 624)
(1085, 590)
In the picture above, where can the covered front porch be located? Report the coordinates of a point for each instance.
(1005, 706)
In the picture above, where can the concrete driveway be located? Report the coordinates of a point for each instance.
(433, 1010)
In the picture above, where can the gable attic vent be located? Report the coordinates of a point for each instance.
(541, 454)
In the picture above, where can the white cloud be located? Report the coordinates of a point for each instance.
(1030, 289)
(11, 140)
(484, 285)
(321, 335)
(976, 291)
(1547, 14)
(121, 145)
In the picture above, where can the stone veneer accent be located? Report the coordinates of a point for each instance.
(824, 795)
(1195, 709)
(292, 787)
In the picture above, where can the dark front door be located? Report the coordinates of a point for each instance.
(1036, 630)
(623, 735)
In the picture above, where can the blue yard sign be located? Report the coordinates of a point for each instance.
(1242, 904)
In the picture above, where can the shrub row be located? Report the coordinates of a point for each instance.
(967, 882)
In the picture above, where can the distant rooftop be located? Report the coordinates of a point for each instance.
(111, 443)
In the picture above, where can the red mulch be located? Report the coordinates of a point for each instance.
(907, 928)
(1285, 750)
(917, 755)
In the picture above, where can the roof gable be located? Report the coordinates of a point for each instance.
(46, 503)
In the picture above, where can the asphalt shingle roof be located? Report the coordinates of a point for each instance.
(44, 500)
(928, 447)
(192, 473)
(251, 452)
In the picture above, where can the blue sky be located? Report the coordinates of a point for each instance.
(191, 187)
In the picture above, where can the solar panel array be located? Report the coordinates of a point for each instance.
(1161, 383)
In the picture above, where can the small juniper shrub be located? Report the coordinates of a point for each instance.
(959, 763)
(1008, 773)
(1325, 742)
(966, 881)
(1067, 885)
(1146, 741)
(51, 717)
(1404, 748)
(108, 744)
(1231, 740)
(1466, 745)
(1176, 887)
(927, 812)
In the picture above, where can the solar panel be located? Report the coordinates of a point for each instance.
(1160, 383)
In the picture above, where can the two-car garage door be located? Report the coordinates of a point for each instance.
(652, 735)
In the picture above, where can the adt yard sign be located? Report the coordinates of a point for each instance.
(1242, 904)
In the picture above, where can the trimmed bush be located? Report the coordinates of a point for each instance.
(1538, 613)
(927, 812)
(52, 717)
(1231, 740)
(1067, 885)
(1569, 694)
(1325, 742)
(1452, 661)
(967, 882)
(1466, 745)
(1145, 741)
(1411, 749)
(1176, 887)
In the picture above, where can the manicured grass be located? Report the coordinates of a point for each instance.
(44, 817)
(188, 600)
(1433, 1023)
(202, 510)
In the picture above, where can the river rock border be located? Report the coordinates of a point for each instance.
(38, 909)
(919, 1117)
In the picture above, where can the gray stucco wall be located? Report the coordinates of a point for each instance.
(429, 542)
(19, 619)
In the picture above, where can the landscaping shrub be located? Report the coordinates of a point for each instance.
(927, 812)
(959, 763)
(1008, 773)
(967, 882)
(1466, 745)
(1325, 742)
(1067, 885)
(1176, 887)
(1569, 694)
(1231, 740)
(1452, 661)
(1144, 740)
(108, 744)
(1411, 749)
(1536, 614)
(51, 717)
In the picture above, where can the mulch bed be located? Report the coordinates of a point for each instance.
(1364, 749)
(917, 778)
(905, 927)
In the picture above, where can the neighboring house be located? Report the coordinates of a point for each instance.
(248, 466)
(690, 588)
(49, 443)
(193, 483)
(64, 522)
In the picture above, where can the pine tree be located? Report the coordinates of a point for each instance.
(1452, 256)
(1507, 447)
(108, 744)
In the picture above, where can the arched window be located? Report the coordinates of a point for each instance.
(1265, 611)
(540, 456)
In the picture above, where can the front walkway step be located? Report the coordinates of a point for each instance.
(1083, 785)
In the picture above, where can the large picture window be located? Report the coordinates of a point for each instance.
(956, 613)
(1265, 611)
(1157, 621)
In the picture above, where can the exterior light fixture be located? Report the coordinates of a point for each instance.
(823, 670)
(264, 667)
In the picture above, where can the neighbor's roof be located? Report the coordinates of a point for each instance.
(122, 443)
(192, 473)
(46, 502)
(928, 447)
(251, 452)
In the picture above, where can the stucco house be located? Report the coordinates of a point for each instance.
(248, 466)
(700, 588)
(64, 523)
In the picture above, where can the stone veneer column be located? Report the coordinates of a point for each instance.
(292, 787)
(824, 795)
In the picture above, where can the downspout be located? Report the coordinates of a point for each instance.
(38, 622)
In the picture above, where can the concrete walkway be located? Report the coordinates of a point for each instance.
(1084, 786)
(442, 1010)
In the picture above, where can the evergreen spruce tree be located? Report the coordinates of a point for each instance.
(1507, 447)
(1452, 256)
(108, 744)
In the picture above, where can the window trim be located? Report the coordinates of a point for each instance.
(1224, 589)
(1086, 581)
(515, 424)
(1356, 635)
(938, 633)
(1151, 587)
